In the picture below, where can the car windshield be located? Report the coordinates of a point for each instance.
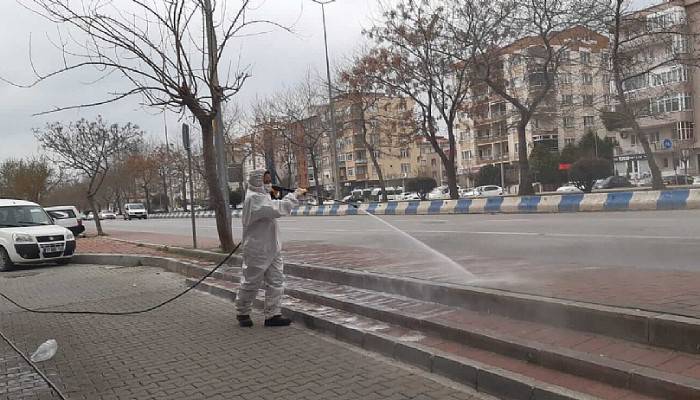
(16, 216)
(61, 214)
(135, 206)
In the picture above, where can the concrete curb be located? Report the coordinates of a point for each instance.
(676, 199)
(484, 378)
(647, 327)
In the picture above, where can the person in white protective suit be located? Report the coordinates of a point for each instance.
(262, 258)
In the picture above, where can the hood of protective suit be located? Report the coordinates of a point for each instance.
(255, 180)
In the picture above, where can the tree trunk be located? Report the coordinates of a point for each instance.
(657, 182)
(147, 193)
(380, 174)
(319, 187)
(223, 224)
(451, 177)
(525, 188)
(96, 214)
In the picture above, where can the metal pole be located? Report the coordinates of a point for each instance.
(331, 105)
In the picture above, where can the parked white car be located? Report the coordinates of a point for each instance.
(410, 196)
(28, 235)
(107, 215)
(569, 187)
(68, 217)
(440, 193)
(696, 180)
(485, 191)
(137, 210)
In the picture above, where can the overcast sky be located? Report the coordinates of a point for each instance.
(276, 59)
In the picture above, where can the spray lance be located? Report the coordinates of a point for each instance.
(283, 189)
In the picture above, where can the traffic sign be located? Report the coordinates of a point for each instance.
(668, 143)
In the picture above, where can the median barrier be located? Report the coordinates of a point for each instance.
(679, 199)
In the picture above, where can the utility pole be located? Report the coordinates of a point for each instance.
(188, 149)
(218, 125)
(331, 105)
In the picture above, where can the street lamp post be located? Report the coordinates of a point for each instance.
(685, 156)
(331, 106)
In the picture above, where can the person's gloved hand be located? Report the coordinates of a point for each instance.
(300, 192)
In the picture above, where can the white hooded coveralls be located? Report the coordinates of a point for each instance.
(262, 258)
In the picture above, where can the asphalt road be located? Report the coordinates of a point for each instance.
(649, 240)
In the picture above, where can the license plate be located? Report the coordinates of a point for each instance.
(52, 248)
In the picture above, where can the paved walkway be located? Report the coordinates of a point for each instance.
(663, 290)
(190, 349)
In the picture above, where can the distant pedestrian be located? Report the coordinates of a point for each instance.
(262, 250)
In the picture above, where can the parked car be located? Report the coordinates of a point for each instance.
(410, 196)
(89, 216)
(489, 191)
(67, 217)
(678, 180)
(107, 215)
(137, 210)
(439, 193)
(696, 180)
(613, 182)
(598, 184)
(28, 235)
(569, 187)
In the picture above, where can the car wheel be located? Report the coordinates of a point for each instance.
(5, 262)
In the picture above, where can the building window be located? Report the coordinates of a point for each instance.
(588, 100)
(671, 103)
(433, 162)
(567, 99)
(665, 162)
(564, 78)
(654, 137)
(635, 82)
(565, 56)
(569, 141)
(351, 172)
(633, 140)
(674, 75)
(585, 57)
(466, 154)
(348, 157)
(404, 153)
(587, 79)
(377, 154)
(683, 130)
(568, 122)
(405, 168)
(341, 157)
(588, 121)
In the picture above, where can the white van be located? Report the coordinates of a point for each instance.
(28, 235)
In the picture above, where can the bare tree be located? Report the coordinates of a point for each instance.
(379, 128)
(510, 39)
(650, 51)
(170, 53)
(414, 57)
(88, 148)
(298, 113)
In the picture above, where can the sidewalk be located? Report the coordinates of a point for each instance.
(190, 349)
(668, 291)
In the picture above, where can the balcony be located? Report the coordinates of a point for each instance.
(490, 138)
(492, 158)
(360, 177)
(361, 161)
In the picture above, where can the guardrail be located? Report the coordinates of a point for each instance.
(683, 199)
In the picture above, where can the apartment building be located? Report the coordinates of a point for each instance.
(389, 134)
(487, 126)
(665, 95)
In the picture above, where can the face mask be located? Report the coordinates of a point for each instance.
(268, 187)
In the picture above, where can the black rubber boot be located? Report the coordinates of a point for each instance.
(278, 320)
(244, 321)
